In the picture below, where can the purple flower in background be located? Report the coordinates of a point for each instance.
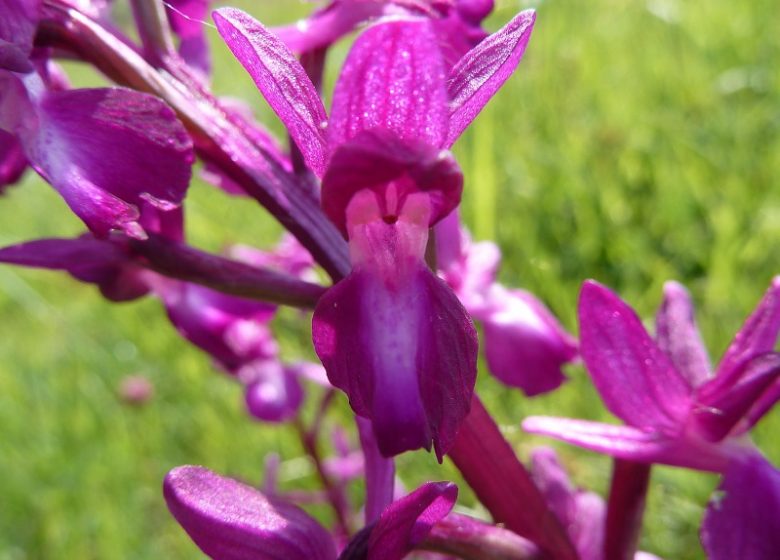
(186, 18)
(236, 332)
(525, 345)
(456, 23)
(106, 151)
(229, 520)
(677, 411)
(582, 513)
(391, 335)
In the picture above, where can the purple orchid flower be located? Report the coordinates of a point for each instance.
(677, 411)
(391, 335)
(106, 151)
(525, 345)
(229, 520)
(743, 516)
(186, 18)
(456, 22)
(581, 512)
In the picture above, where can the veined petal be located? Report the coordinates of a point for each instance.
(107, 151)
(17, 29)
(394, 79)
(718, 413)
(743, 517)
(281, 79)
(525, 345)
(483, 70)
(626, 442)
(380, 160)
(229, 520)
(757, 335)
(678, 336)
(636, 380)
(408, 521)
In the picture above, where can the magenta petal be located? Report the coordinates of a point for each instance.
(232, 330)
(17, 29)
(581, 513)
(107, 151)
(186, 17)
(72, 255)
(377, 159)
(326, 26)
(483, 70)
(12, 160)
(763, 405)
(408, 521)
(393, 78)
(91, 260)
(554, 483)
(273, 392)
(525, 346)
(757, 335)
(678, 336)
(281, 79)
(229, 520)
(743, 517)
(636, 380)
(626, 442)
(405, 356)
(719, 412)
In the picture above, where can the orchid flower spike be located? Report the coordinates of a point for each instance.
(677, 411)
(391, 334)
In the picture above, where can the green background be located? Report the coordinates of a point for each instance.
(636, 143)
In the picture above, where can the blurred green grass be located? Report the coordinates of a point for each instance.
(638, 142)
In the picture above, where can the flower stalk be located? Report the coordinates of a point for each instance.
(625, 508)
(503, 485)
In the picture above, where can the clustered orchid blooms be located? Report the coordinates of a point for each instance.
(368, 192)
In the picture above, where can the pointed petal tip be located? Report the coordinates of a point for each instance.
(230, 520)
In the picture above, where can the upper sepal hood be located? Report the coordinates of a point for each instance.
(380, 161)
